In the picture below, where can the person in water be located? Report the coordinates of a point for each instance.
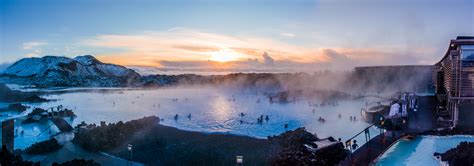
(189, 116)
(286, 126)
(176, 117)
(266, 118)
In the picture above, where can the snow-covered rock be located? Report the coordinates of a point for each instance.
(56, 66)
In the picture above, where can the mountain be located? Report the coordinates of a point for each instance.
(63, 71)
(55, 66)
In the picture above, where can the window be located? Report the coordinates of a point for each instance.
(467, 52)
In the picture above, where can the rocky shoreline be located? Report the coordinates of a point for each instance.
(447, 132)
(10, 96)
(179, 147)
(463, 154)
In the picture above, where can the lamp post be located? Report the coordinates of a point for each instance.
(130, 149)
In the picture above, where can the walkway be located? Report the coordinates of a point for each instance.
(418, 122)
(371, 150)
(62, 124)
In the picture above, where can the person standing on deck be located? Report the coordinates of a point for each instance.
(394, 110)
(404, 109)
(412, 101)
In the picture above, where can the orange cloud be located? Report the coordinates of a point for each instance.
(189, 48)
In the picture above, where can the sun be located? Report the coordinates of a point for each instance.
(224, 55)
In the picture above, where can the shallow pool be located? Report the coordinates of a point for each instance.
(419, 151)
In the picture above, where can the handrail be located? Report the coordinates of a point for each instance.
(360, 132)
(348, 143)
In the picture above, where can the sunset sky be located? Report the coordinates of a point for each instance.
(214, 34)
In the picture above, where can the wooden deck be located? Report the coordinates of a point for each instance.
(420, 121)
(62, 124)
(371, 150)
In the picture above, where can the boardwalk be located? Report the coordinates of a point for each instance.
(62, 124)
(371, 150)
(420, 121)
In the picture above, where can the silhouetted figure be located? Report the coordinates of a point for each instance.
(189, 116)
(339, 116)
(242, 114)
(176, 117)
(241, 121)
(266, 118)
(354, 145)
(286, 126)
(339, 139)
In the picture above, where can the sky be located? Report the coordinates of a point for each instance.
(291, 35)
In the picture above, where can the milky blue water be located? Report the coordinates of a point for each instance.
(419, 151)
(212, 110)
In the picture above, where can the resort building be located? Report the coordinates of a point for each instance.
(454, 78)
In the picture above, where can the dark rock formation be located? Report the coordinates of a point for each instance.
(15, 107)
(8, 95)
(9, 159)
(453, 131)
(77, 162)
(47, 146)
(107, 137)
(462, 155)
(163, 145)
(295, 151)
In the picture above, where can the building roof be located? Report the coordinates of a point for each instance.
(460, 40)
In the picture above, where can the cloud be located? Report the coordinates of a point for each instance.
(190, 45)
(187, 48)
(34, 53)
(286, 34)
(33, 47)
(267, 60)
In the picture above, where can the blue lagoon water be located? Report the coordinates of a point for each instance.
(212, 110)
(419, 151)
